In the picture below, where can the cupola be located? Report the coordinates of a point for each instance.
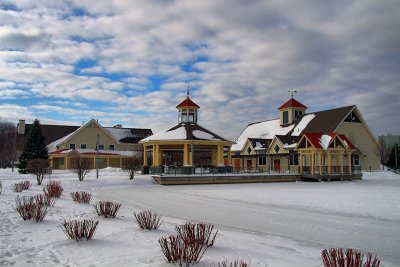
(290, 111)
(187, 111)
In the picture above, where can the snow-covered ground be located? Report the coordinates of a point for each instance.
(273, 224)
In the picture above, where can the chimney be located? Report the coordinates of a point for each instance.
(119, 126)
(21, 127)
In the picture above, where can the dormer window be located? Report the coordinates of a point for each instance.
(187, 111)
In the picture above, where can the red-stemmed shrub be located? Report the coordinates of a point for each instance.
(107, 209)
(197, 233)
(177, 251)
(29, 209)
(81, 197)
(351, 258)
(148, 220)
(53, 189)
(236, 263)
(21, 186)
(44, 200)
(80, 229)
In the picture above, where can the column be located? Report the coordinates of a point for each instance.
(320, 162)
(229, 157)
(301, 162)
(341, 161)
(185, 155)
(144, 155)
(94, 163)
(349, 161)
(312, 162)
(220, 155)
(329, 162)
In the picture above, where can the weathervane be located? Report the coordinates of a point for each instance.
(292, 92)
(188, 88)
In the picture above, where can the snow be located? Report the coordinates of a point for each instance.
(287, 146)
(53, 145)
(204, 135)
(302, 124)
(325, 140)
(177, 134)
(119, 133)
(271, 224)
(265, 130)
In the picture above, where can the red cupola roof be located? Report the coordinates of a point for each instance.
(187, 103)
(292, 103)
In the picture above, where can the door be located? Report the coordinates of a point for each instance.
(237, 164)
(277, 165)
(249, 164)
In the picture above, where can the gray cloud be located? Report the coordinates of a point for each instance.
(334, 53)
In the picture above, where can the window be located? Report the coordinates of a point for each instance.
(83, 146)
(71, 146)
(285, 117)
(248, 150)
(356, 159)
(111, 147)
(352, 118)
(297, 113)
(262, 161)
(101, 146)
(276, 148)
(293, 159)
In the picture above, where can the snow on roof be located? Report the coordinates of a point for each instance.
(264, 129)
(94, 152)
(119, 133)
(288, 146)
(175, 134)
(53, 145)
(302, 124)
(203, 135)
(324, 141)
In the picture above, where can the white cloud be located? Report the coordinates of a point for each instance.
(252, 52)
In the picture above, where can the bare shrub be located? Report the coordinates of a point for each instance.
(44, 200)
(351, 258)
(38, 167)
(107, 209)
(81, 166)
(236, 263)
(81, 197)
(53, 189)
(28, 209)
(80, 229)
(192, 233)
(17, 188)
(148, 220)
(133, 164)
(177, 251)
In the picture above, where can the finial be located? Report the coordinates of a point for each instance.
(292, 92)
(188, 88)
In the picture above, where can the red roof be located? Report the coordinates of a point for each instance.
(292, 103)
(316, 141)
(187, 103)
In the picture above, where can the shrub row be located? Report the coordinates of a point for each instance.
(53, 189)
(81, 197)
(29, 209)
(80, 229)
(107, 209)
(21, 186)
(190, 243)
(350, 258)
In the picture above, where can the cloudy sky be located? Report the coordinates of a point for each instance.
(129, 62)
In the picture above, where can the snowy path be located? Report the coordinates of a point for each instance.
(308, 226)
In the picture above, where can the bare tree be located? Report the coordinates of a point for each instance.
(81, 166)
(38, 167)
(8, 144)
(133, 164)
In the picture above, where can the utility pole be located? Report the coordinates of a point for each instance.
(97, 157)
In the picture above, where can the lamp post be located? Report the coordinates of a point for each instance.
(97, 157)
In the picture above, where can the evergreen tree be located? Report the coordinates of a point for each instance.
(35, 147)
(392, 156)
